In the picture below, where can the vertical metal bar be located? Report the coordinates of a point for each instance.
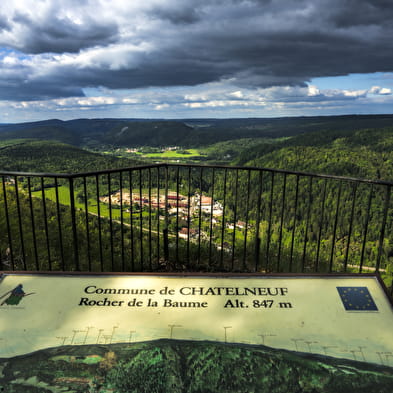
(37, 266)
(110, 222)
(87, 224)
(307, 225)
(7, 219)
(73, 223)
(234, 221)
(122, 222)
(99, 222)
(322, 216)
(281, 221)
(270, 223)
(141, 201)
(211, 218)
(335, 227)
(131, 222)
(188, 216)
(367, 220)
(22, 242)
(46, 223)
(246, 218)
(60, 232)
(354, 188)
(200, 215)
(383, 226)
(294, 223)
(223, 221)
(177, 215)
(165, 231)
(258, 221)
(158, 214)
(150, 239)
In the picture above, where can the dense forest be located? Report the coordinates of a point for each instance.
(54, 157)
(366, 153)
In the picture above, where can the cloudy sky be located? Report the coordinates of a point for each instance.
(194, 58)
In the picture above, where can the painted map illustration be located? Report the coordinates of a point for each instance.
(84, 322)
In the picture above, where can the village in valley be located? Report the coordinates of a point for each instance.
(178, 205)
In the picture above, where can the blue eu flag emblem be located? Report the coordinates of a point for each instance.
(357, 299)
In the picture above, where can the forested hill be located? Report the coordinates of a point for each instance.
(54, 157)
(185, 132)
(366, 153)
(336, 145)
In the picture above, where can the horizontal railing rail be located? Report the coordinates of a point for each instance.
(165, 165)
(168, 217)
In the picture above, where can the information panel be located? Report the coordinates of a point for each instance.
(346, 317)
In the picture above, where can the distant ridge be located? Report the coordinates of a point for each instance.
(186, 132)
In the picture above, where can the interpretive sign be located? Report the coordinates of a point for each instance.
(348, 317)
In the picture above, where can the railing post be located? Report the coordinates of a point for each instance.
(269, 228)
(165, 230)
(307, 225)
(382, 233)
(354, 186)
(87, 224)
(335, 228)
(122, 221)
(37, 266)
(257, 223)
(9, 250)
(110, 222)
(99, 222)
(59, 224)
(281, 223)
(46, 223)
(22, 241)
(141, 205)
(73, 223)
(366, 228)
(294, 223)
(166, 244)
(246, 220)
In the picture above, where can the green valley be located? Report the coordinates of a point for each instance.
(214, 211)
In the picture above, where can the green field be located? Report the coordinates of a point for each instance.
(174, 154)
(13, 142)
(64, 199)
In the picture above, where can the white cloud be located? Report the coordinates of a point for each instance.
(161, 107)
(380, 90)
(218, 103)
(354, 93)
(236, 94)
(313, 90)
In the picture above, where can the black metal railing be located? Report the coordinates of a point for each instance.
(195, 218)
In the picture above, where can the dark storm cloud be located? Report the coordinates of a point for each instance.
(4, 24)
(60, 35)
(257, 43)
(38, 91)
(177, 15)
(355, 13)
